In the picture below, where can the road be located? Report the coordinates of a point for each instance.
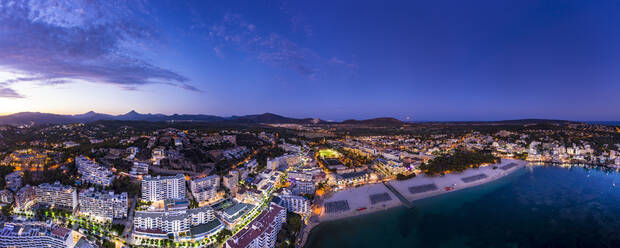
(129, 224)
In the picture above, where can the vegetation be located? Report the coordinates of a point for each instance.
(352, 158)
(196, 156)
(6, 210)
(66, 175)
(124, 184)
(223, 235)
(4, 170)
(401, 177)
(118, 228)
(290, 229)
(264, 154)
(458, 161)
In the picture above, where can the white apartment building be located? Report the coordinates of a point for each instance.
(159, 224)
(296, 204)
(304, 187)
(103, 206)
(231, 181)
(92, 172)
(35, 235)
(262, 231)
(204, 182)
(286, 160)
(25, 197)
(205, 189)
(57, 195)
(161, 188)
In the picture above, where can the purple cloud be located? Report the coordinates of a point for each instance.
(62, 41)
(9, 93)
(270, 48)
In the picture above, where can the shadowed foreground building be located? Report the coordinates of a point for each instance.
(262, 231)
(35, 235)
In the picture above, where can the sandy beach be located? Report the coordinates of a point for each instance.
(454, 180)
(358, 199)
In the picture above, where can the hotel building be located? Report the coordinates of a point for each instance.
(205, 189)
(199, 222)
(161, 188)
(231, 181)
(296, 204)
(103, 206)
(57, 196)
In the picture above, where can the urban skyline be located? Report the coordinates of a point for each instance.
(309, 124)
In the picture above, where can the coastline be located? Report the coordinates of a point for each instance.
(359, 197)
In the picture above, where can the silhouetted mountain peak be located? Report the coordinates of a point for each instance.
(132, 112)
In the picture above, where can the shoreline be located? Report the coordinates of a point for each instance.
(359, 197)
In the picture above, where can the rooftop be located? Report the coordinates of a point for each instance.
(258, 226)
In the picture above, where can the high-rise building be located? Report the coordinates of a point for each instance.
(103, 206)
(204, 182)
(231, 181)
(57, 195)
(262, 231)
(161, 188)
(205, 189)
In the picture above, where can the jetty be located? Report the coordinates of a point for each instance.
(400, 197)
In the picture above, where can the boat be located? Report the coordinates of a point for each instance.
(361, 209)
(449, 188)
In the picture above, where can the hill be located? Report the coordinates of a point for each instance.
(384, 121)
(36, 118)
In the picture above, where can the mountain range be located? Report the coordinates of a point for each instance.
(36, 118)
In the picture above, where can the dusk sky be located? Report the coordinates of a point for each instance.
(335, 60)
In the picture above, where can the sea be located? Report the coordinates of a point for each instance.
(536, 206)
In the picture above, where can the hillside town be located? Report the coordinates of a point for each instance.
(107, 184)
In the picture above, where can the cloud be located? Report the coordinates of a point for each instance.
(218, 52)
(340, 62)
(9, 93)
(271, 48)
(62, 41)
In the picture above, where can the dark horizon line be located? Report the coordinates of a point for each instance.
(329, 120)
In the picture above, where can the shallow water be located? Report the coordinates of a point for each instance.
(541, 206)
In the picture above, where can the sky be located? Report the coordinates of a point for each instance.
(335, 60)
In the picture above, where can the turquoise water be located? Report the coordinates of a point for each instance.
(542, 206)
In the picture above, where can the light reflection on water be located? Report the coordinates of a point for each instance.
(537, 206)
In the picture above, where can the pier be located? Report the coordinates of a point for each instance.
(400, 197)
